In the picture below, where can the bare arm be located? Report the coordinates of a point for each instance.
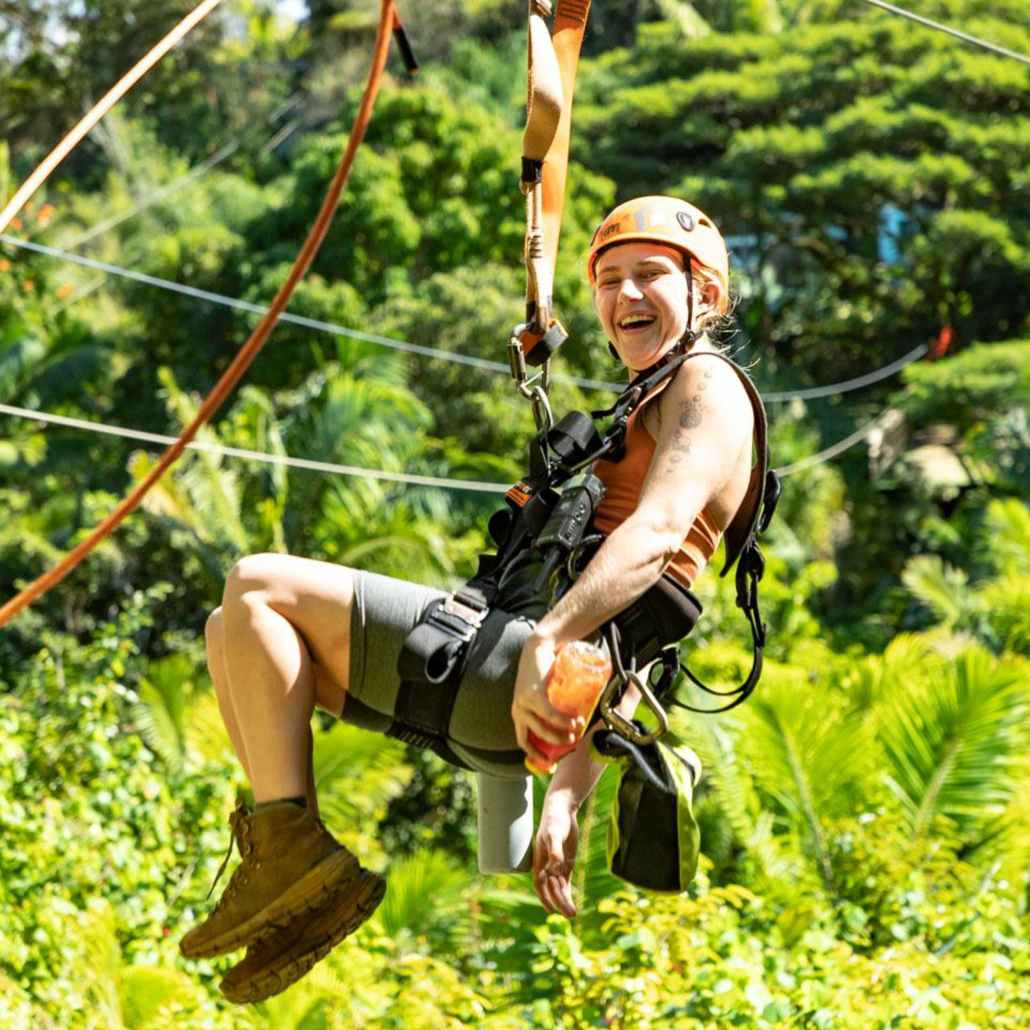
(577, 773)
(705, 422)
(705, 414)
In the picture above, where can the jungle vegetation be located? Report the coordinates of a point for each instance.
(865, 818)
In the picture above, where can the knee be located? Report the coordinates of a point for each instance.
(213, 629)
(251, 574)
(215, 643)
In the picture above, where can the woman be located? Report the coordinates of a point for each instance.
(293, 633)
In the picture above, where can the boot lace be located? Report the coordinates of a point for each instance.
(239, 827)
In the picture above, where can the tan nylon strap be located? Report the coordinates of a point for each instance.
(544, 88)
(570, 22)
(556, 61)
(543, 113)
(388, 22)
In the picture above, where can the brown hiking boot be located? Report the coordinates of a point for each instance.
(290, 865)
(274, 963)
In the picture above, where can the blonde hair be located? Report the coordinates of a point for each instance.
(717, 325)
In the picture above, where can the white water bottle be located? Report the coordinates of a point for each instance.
(505, 824)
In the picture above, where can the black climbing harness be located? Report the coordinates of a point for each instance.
(544, 537)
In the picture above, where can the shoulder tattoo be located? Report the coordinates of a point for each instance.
(691, 415)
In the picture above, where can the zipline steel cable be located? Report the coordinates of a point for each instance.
(957, 33)
(389, 20)
(263, 456)
(477, 486)
(809, 393)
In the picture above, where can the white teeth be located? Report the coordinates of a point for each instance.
(632, 321)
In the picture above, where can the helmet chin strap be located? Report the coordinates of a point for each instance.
(692, 335)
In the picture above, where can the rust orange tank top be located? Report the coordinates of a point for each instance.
(623, 481)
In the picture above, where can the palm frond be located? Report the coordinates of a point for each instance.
(940, 587)
(1007, 533)
(145, 991)
(425, 896)
(102, 960)
(732, 785)
(1007, 602)
(950, 743)
(508, 918)
(161, 708)
(908, 657)
(212, 485)
(592, 879)
(204, 729)
(357, 774)
(808, 758)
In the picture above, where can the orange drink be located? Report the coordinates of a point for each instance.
(579, 675)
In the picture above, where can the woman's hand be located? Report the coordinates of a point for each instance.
(554, 854)
(530, 709)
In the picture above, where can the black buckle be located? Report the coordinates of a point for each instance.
(465, 620)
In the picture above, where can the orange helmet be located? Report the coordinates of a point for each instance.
(672, 222)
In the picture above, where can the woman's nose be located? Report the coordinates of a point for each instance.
(630, 289)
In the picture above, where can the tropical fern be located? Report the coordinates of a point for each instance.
(160, 711)
(426, 895)
(950, 741)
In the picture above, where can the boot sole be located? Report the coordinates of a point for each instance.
(296, 961)
(309, 893)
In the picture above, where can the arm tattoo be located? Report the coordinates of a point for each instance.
(691, 414)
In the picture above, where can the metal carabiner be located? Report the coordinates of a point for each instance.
(611, 718)
(539, 398)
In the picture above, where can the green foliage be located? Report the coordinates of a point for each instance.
(802, 144)
(866, 861)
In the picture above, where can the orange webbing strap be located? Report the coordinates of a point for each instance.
(388, 22)
(543, 114)
(113, 95)
(570, 21)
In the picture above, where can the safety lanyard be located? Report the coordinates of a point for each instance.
(553, 60)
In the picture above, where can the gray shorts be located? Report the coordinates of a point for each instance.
(384, 612)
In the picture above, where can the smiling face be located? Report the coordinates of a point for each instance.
(641, 299)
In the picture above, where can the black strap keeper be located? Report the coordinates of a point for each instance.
(552, 339)
(532, 171)
(407, 54)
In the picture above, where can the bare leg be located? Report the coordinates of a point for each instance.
(269, 666)
(214, 636)
(216, 666)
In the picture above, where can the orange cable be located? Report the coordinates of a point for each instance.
(113, 95)
(388, 22)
